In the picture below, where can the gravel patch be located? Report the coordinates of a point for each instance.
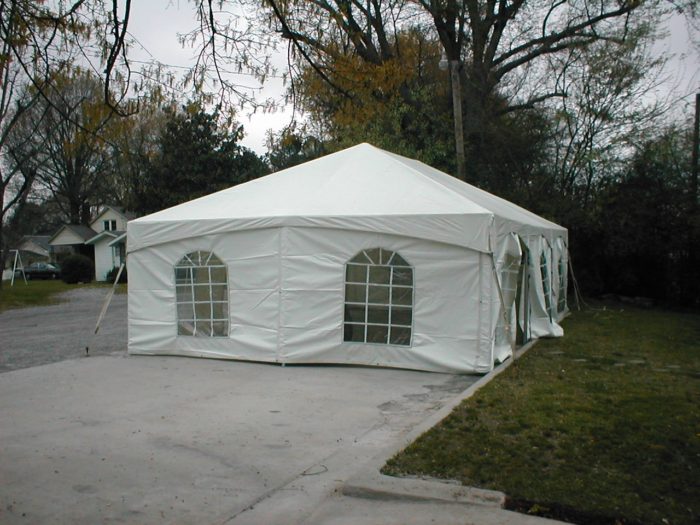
(47, 334)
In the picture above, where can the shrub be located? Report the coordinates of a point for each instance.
(112, 274)
(77, 268)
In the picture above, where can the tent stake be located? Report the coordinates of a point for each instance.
(108, 300)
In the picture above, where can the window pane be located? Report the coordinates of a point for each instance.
(194, 258)
(183, 294)
(355, 314)
(380, 274)
(377, 334)
(219, 310)
(403, 276)
(402, 316)
(374, 256)
(378, 314)
(201, 293)
(355, 293)
(402, 296)
(211, 260)
(219, 292)
(218, 274)
(182, 275)
(201, 275)
(378, 295)
(185, 312)
(356, 273)
(354, 332)
(202, 310)
(204, 328)
(400, 336)
(220, 328)
(397, 260)
(185, 328)
(385, 256)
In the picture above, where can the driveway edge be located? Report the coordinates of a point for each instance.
(374, 485)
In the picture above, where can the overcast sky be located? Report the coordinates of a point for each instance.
(156, 24)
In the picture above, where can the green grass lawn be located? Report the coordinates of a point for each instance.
(39, 293)
(601, 426)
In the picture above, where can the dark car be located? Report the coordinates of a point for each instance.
(41, 270)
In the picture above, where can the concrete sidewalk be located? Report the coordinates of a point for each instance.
(148, 440)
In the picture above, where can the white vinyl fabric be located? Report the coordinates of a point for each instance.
(285, 240)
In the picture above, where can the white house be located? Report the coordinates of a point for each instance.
(70, 238)
(105, 234)
(111, 225)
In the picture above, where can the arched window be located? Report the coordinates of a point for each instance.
(201, 288)
(378, 298)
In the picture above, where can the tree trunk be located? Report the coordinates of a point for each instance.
(2, 231)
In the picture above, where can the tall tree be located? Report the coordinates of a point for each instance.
(291, 147)
(134, 143)
(197, 153)
(400, 104)
(72, 161)
(607, 109)
(650, 227)
(29, 35)
(502, 48)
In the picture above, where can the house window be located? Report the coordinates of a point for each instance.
(109, 226)
(378, 298)
(201, 287)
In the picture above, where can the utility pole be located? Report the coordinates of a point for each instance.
(457, 110)
(456, 88)
(694, 167)
(693, 233)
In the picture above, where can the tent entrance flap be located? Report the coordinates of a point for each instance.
(522, 297)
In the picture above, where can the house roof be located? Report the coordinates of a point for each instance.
(128, 215)
(38, 244)
(80, 231)
(361, 188)
(112, 234)
(121, 238)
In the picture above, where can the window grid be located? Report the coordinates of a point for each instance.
(196, 284)
(384, 281)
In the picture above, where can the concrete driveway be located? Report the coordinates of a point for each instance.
(177, 440)
(117, 439)
(150, 440)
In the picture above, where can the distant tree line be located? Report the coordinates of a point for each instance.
(556, 103)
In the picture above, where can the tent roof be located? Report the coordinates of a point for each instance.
(348, 189)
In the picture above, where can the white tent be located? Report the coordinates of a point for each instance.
(359, 257)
